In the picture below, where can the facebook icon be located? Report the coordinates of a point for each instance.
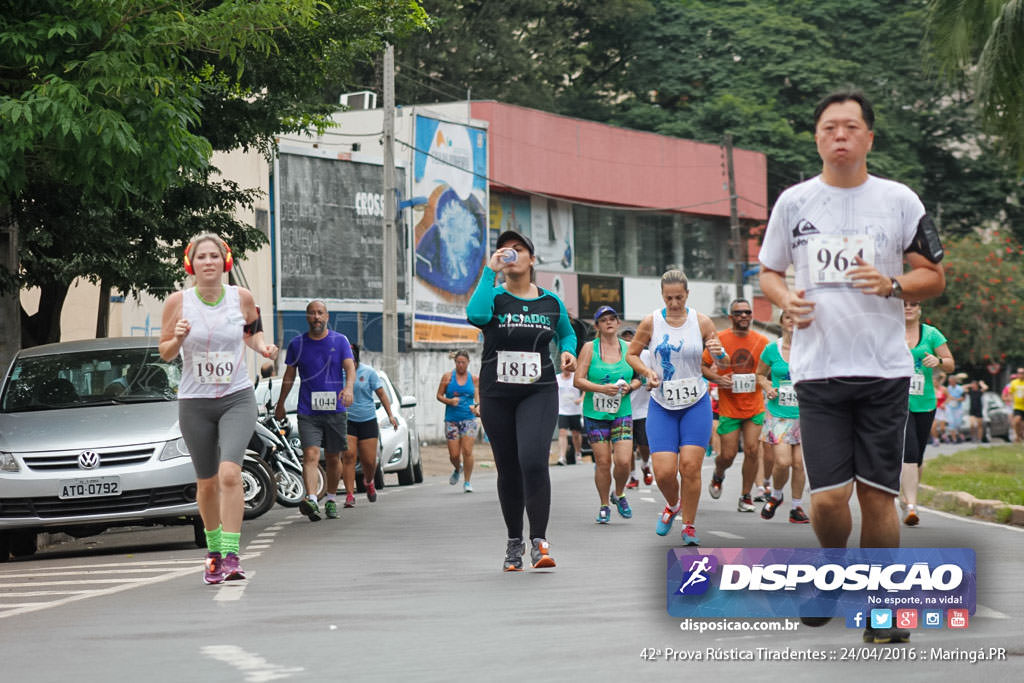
(855, 620)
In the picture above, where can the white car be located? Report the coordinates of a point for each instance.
(89, 440)
(398, 450)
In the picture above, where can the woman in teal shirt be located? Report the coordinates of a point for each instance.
(603, 373)
(781, 431)
(929, 349)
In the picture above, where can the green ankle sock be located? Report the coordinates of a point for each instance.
(229, 542)
(214, 539)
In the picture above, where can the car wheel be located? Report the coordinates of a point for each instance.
(258, 487)
(198, 532)
(417, 470)
(378, 477)
(407, 476)
(24, 543)
(5, 547)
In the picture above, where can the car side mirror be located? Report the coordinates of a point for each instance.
(408, 402)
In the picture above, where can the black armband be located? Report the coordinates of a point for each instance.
(255, 326)
(926, 241)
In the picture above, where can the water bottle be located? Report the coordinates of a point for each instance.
(510, 256)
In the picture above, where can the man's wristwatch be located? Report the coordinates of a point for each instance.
(896, 291)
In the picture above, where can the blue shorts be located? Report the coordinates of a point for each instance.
(670, 430)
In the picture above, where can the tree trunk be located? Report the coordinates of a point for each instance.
(10, 319)
(44, 326)
(103, 312)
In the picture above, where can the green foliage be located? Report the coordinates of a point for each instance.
(995, 473)
(981, 312)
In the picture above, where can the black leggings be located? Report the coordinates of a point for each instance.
(520, 430)
(916, 436)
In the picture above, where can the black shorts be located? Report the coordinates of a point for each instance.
(853, 428)
(640, 433)
(918, 432)
(571, 422)
(364, 430)
(1018, 413)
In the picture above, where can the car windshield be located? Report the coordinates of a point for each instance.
(86, 378)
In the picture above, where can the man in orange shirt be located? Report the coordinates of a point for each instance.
(740, 401)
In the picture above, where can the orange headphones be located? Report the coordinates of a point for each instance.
(228, 260)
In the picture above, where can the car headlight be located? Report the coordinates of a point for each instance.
(396, 456)
(8, 462)
(174, 449)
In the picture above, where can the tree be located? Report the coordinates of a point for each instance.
(982, 310)
(110, 111)
(983, 40)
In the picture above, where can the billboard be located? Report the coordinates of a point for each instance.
(596, 291)
(451, 239)
(330, 239)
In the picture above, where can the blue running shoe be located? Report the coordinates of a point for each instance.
(604, 514)
(665, 521)
(623, 505)
(690, 535)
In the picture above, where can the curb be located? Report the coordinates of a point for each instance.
(961, 503)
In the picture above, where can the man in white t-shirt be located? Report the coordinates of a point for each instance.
(847, 235)
(570, 417)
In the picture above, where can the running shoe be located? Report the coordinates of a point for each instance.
(798, 516)
(232, 568)
(911, 519)
(665, 521)
(561, 463)
(514, 555)
(882, 636)
(690, 535)
(648, 477)
(350, 501)
(623, 505)
(331, 509)
(467, 487)
(633, 482)
(762, 495)
(454, 479)
(371, 492)
(745, 504)
(768, 511)
(604, 514)
(540, 555)
(310, 509)
(213, 572)
(715, 487)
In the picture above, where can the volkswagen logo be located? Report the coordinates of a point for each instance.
(88, 460)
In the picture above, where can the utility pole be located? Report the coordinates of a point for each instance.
(739, 255)
(389, 323)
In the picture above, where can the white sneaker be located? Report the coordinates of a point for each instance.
(467, 487)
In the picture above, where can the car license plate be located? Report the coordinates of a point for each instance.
(90, 488)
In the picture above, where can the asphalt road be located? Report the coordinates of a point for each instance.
(411, 587)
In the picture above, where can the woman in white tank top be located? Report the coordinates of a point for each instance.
(679, 414)
(209, 325)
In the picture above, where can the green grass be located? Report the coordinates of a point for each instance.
(987, 473)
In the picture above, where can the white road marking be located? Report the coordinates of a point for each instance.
(724, 534)
(988, 612)
(256, 668)
(997, 525)
(230, 591)
(647, 500)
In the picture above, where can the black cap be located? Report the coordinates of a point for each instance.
(510, 235)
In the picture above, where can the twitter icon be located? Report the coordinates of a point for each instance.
(881, 618)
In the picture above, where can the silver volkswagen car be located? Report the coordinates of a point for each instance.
(89, 440)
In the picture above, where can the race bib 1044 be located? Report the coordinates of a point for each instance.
(213, 367)
(323, 400)
(830, 256)
(518, 367)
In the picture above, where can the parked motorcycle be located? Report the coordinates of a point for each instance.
(275, 443)
(258, 486)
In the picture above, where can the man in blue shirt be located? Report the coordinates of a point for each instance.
(327, 372)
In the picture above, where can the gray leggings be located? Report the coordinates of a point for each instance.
(217, 429)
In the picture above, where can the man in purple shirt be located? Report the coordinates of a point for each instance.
(323, 359)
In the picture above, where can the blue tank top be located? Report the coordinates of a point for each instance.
(465, 393)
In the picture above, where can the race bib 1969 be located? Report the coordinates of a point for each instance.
(518, 367)
(680, 393)
(744, 384)
(323, 400)
(829, 256)
(603, 403)
(213, 367)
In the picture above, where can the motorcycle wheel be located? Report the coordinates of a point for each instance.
(258, 487)
(198, 532)
(290, 488)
